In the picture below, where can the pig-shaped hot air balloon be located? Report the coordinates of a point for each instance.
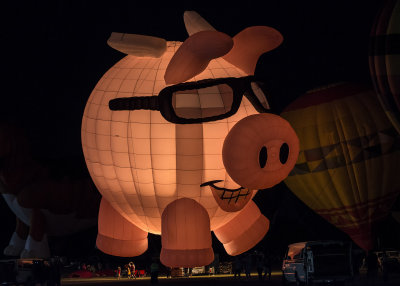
(176, 149)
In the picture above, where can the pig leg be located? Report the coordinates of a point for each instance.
(116, 235)
(185, 235)
(18, 239)
(36, 244)
(244, 231)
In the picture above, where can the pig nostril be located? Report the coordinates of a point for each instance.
(284, 153)
(263, 156)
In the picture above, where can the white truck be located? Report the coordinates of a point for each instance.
(313, 262)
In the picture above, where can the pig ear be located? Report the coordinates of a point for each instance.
(195, 53)
(138, 45)
(250, 44)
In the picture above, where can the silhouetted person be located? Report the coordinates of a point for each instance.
(260, 265)
(247, 265)
(132, 268)
(57, 271)
(99, 266)
(267, 267)
(54, 273)
(38, 272)
(154, 269)
(49, 274)
(237, 267)
(385, 267)
(119, 272)
(128, 271)
(168, 272)
(357, 261)
(216, 263)
(372, 267)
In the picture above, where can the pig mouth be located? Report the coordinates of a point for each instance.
(230, 200)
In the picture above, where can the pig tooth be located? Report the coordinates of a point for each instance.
(229, 201)
(243, 193)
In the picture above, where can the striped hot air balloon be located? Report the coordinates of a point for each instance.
(384, 59)
(349, 161)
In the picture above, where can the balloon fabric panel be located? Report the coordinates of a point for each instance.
(384, 59)
(148, 138)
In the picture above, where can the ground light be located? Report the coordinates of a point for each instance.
(98, 280)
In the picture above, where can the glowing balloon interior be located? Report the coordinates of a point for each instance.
(160, 161)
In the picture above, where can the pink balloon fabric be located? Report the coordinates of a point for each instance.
(170, 179)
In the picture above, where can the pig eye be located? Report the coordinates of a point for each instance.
(284, 153)
(263, 156)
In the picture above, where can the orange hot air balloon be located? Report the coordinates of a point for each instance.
(158, 135)
(347, 170)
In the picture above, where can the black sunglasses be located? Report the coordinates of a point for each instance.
(200, 101)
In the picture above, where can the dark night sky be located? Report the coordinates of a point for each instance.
(55, 53)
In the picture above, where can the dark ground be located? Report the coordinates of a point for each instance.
(276, 279)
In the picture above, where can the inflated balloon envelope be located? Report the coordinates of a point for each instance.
(177, 138)
(384, 60)
(42, 204)
(347, 170)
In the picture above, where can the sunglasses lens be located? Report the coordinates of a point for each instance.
(260, 94)
(203, 103)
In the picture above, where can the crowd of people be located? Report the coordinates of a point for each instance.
(133, 273)
(246, 261)
(130, 269)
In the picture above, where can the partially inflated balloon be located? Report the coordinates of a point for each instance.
(384, 59)
(43, 205)
(347, 170)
